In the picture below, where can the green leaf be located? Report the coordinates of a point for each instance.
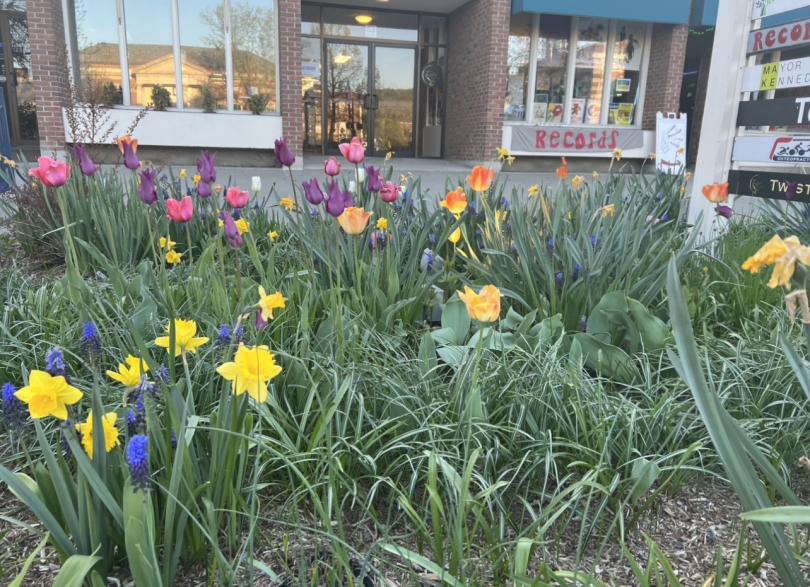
(18, 581)
(654, 333)
(453, 355)
(427, 354)
(445, 336)
(606, 359)
(423, 562)
(512, 320)
(643, 476)
(74, 570)
(599, 324)
(455, 317)
(779, 515)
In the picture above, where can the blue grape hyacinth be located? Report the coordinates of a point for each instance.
(138, 460)
(224, 337)
(162, 374)
(90, 344)
(55, 362)
(15, 412)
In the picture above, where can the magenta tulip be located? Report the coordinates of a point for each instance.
(179, 211)
(331, 167)
(236, 197)
(52, 173)
(205, 167)
(283, 153)
(375, 182)
(389, 192)
(337, 200)
(312, 192)
(354, 151)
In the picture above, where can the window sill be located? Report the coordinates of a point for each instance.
(194, 111)
(571, 125)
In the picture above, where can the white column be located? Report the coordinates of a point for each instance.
(722, 101)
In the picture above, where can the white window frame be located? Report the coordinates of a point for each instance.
(178, 67)
(571, 71)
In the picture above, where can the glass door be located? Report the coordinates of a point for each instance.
(348, 99)
(15, 78)
(394, 91)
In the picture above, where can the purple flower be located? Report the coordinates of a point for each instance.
(162, 374)
(283, 153)
(15, 412)
(55, 363)
(577, 267)
(593, 240)
(204, 189)
(90, 344)
(224, 337)
(312, 192)
(550, 243)
(583, 323)
(260, 322)
(86, 164)
(138, 460)
(374, 182)
(337, 200)
(231, 231)
(724, 211)
(146, 189)
(131, 161)
(205, 167)
(790, 194)
(559, 279)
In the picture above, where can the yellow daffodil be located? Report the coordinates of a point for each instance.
(510, 160)
(651, 156)
(288, 203)
(388, 155)
(250, 371)
(382, 224)
(272, 235)
(617, 154)
(110, 432)
(166, 243)
(129, 374)
(502, 154)
(47, 395)
(455, 202)
(455, 236)
(484, 306)
(683, 191)
(182, 174)
(688, 176)
(11, 163)
(577, 182)
(268, 303)
(534, 190)
(595, 175)
(783, 255)
(173, 257)
(185, 338)
(681, 151)
(609, 209)
(705, 270)
(196, 179)
(242, 226)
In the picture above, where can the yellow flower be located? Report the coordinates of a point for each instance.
(681, 151)
(166, 243)
(783, 254)
(577, 181)
(11, 163)
(182, 174)
(484, 306)
(353, 220)
(388, 155)
(184, 337)
(688, 175)
(220, 223)
(502, 153)
(48, 396)
(173, 257)
(683, 191)
(250, 371)
(382, 223)
(617, 154)
(268, 303)
(455, 237)
(534, 190)
(129, 374)
(108, 426)
(242, 226)
(595, 175)
(651, 156)
(287, 203)
(609, 209)
(218, 189)
(272, 235)
(705, 270)
(455, 202)
(510, 160)
(196, 179)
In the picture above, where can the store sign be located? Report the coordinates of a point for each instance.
(670, 142)
(564, 140)
(781, 112)
(779, 37)
(772, 149)
(763, 8)
(794, 73)
(772, 186)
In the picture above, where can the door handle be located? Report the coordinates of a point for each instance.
(367, 104)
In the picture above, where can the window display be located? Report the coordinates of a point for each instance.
(518, 58)
(589, 76)
(552, 68)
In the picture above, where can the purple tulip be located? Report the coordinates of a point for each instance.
(312, 192)
(260, 322)
(337, 200)
(374, 182)
(724, 211)
(85, 163)
(205, 167)
(231, 231)
(283, 153)
(146, 189)
(131, 161)
(792, 186)
(204, 189)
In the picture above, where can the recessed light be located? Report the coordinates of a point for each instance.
(363, 18)
(382, 0)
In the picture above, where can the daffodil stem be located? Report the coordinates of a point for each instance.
(300, 234)
(238, 277)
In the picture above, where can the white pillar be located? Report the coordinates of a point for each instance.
(722, 100)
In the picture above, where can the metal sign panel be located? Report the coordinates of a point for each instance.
(563, 140)
(763, 8)
(772, 149)
(779, 37)
(781, 112)
(794, 73)
(769, 185)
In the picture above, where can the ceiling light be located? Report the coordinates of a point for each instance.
(382, 0)
(363, 18)
(342, 58)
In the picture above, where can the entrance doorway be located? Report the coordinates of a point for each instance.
(371, 95)
(16, 83)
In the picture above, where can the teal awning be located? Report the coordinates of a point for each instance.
(669, 11)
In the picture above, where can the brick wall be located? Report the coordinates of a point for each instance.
(478, 35)
(48, 70)
(289, 35)
(665, 74)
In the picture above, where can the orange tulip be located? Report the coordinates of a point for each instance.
(562, 172)
(481, 178)
(484, 306)
(126, 139)
(455, 202)
(716, 193)
(354, 220)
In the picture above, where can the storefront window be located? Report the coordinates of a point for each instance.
(518, 58)
(434, 30)
(310, 19)
(202, 54)
(254, 53)
(150, 51)
(370, 25)
(589, 76)
(94, 42)
(552, 68)
(626, 76)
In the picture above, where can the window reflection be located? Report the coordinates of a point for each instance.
(552, 68)
(23, 86)
(347, 93)
(94, 40)
(518, 56)
(589, 79)
(202, 53)
(254, 52)
(310, 20)
(627, 54)
(383, 25)
(311, 94)
(150, 53)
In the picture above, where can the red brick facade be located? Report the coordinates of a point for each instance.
(665, 73)
(289, 35)
(48, 70)
(478, 37)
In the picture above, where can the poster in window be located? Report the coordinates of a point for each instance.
(594, 111)
(629, 46)
(555, 113)
(577, 110)
(592, 43)
(622, 85)
(540, 112)
(613, 110)
(624, 114)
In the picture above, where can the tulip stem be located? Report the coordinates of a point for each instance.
(238, 276)
(300, 234)
(188, 237)
(67, 228)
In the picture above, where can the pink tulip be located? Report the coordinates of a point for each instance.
(179, 211)
(389, 192)
(354, 152)
(52, 173)
(331, 167)
(236, 197)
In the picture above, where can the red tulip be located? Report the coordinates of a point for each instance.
(52, 173)
(179, 211)
(236, 197)
(354, 151)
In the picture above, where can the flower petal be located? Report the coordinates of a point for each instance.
(228, 371)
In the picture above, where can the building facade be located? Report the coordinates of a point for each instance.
(450, 79)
